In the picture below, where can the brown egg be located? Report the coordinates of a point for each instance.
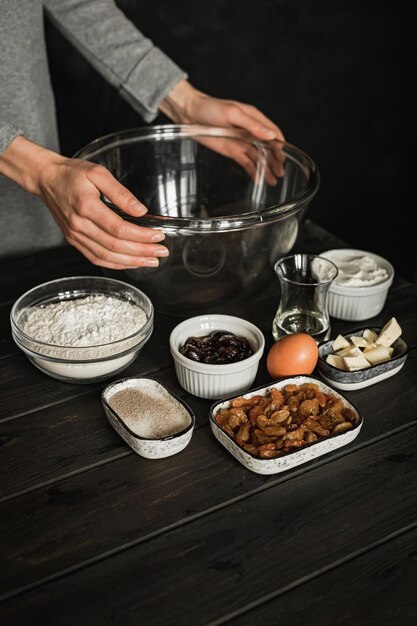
(292, 355)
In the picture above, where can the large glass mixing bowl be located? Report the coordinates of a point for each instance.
(229, 205)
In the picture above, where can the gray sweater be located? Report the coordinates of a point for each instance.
(113, 45)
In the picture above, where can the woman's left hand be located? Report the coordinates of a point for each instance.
(186, 105)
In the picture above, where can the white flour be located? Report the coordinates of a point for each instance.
(79, 336)
(91, 321)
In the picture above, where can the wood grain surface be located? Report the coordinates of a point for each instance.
(91, 532)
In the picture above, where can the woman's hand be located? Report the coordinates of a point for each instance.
(71, 189)
(186, 105)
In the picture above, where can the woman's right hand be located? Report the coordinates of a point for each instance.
(71, 190)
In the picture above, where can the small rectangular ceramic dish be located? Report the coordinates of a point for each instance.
(289, 459)
(361, 378)
(150, 405)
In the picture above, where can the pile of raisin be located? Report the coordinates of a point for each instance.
(218, 348)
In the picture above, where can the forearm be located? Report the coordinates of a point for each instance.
(24, 161)
(177, 102)
(71, 190)
(127, 59)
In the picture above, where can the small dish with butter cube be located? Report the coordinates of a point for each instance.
(363, 357)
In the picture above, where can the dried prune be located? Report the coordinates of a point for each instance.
(218, 348)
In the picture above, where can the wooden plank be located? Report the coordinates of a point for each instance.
(49, 445)
(401, 302)
(376, 587)
(80, 443)
(389, 406)
(22, 273)
(24, 388)
(7, 345)
(255, 546)
(58, 441)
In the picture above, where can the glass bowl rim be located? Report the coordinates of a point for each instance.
(80, 349)
(227, 222)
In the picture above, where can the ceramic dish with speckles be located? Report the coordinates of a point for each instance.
(358, 379)
(150, 448)
(290, 459)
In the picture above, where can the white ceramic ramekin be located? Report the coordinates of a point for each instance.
(358, 303)
(216, 381)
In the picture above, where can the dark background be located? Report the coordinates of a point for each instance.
(337, 76)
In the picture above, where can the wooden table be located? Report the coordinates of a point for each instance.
(91, 533)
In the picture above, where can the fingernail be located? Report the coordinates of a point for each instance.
(269, 134)
(151, 262)
(158, 236)
(138, 208)
(162, 252)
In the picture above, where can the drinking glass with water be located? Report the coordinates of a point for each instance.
(304, 280)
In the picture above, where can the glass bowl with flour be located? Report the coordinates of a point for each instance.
(82, 329)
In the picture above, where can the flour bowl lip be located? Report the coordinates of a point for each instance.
(123, 424)
(117, 285)
(218, 319)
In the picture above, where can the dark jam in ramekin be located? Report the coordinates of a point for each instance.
(218, 348)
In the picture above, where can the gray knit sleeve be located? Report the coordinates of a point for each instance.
(8, 132)
(141, 72)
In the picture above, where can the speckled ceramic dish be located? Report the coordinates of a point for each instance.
(290, 459)
(361, 378)
(145, 446)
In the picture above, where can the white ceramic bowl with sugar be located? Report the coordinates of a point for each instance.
(356, 303)
(84, 364)
(215, 381)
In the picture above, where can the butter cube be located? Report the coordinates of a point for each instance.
(370, 335)
(350, 351)
(339, 343)
(336, 361)
(353, 363)
(390, 333)
(361, 342)
(378, 355)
